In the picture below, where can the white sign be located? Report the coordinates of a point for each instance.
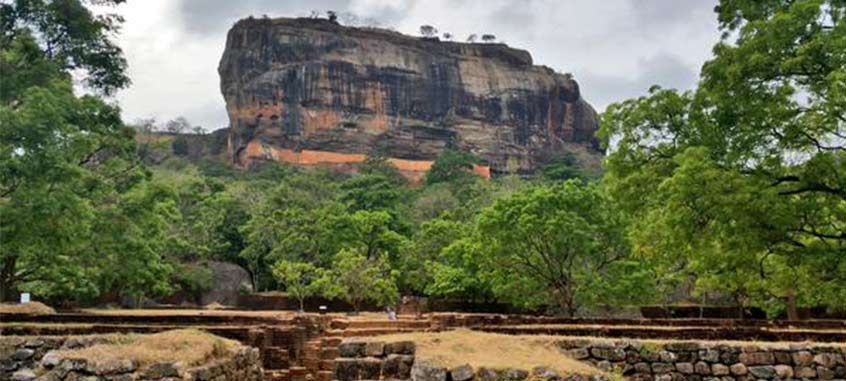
(24, 298)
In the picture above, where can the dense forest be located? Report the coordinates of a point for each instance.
(734, 191)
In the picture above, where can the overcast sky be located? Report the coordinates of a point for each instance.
(616, 49)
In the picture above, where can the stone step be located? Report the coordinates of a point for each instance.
(366, 332)
(330, 353)
(327, 364)
(275, 358)
(298, 373)
(276, 375)
(325, 375)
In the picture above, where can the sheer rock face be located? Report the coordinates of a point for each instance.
(310, 91)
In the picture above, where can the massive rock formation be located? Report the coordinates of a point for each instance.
(312, 92)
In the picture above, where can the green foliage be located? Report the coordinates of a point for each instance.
(740, 183)
(356, 279)
(179, 146)
(452, 166)
(72, 38)
(300, 279)
(564, 168)
(550, 242)
(72, 193)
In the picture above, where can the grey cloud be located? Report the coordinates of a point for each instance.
(512, 15)
(657, 15)
(665, 70)
(213, 16)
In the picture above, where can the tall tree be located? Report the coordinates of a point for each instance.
(68, 165)
(743, 180)
(548, 241)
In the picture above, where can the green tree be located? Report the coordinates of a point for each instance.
(551, 239)
(71, 38)
(452, 166)
(741, 181)
(425, 246)
(356, 279)
(300, 220)
(63, 159)
(300, 279)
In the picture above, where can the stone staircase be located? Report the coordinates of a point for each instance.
(315, 361)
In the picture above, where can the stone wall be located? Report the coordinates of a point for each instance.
(29, 359)
(396, 361)
(696, 361)
(374, 360)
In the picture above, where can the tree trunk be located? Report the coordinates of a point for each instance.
(302, 304)
(6, 282)
(792, 311)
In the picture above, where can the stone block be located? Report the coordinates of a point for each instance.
(784, 371)
(783, 357)
(738, 369)
(762, 371)
(719, 370)
(757, 358)
(702, 367)
(400, 348)
(461, 373)
(662, 367)
(824, 373)
(642, 367)
(486, 374)
(803, 358)
(608, 353)
(804, 372)
(352, 349)
(512, 374)
(423, 370)
(577, 353)
(375, 349)
(397, 367)
(684, 368)
(828, 360)
(23, 375)
(709, 355)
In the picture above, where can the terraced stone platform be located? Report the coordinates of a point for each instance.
(300, 347)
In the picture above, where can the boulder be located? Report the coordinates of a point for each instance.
(228, 282)
(23, 354)
(23, 375)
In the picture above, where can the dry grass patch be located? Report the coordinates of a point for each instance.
(31, 308)
(189, 346)
(480, 349)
